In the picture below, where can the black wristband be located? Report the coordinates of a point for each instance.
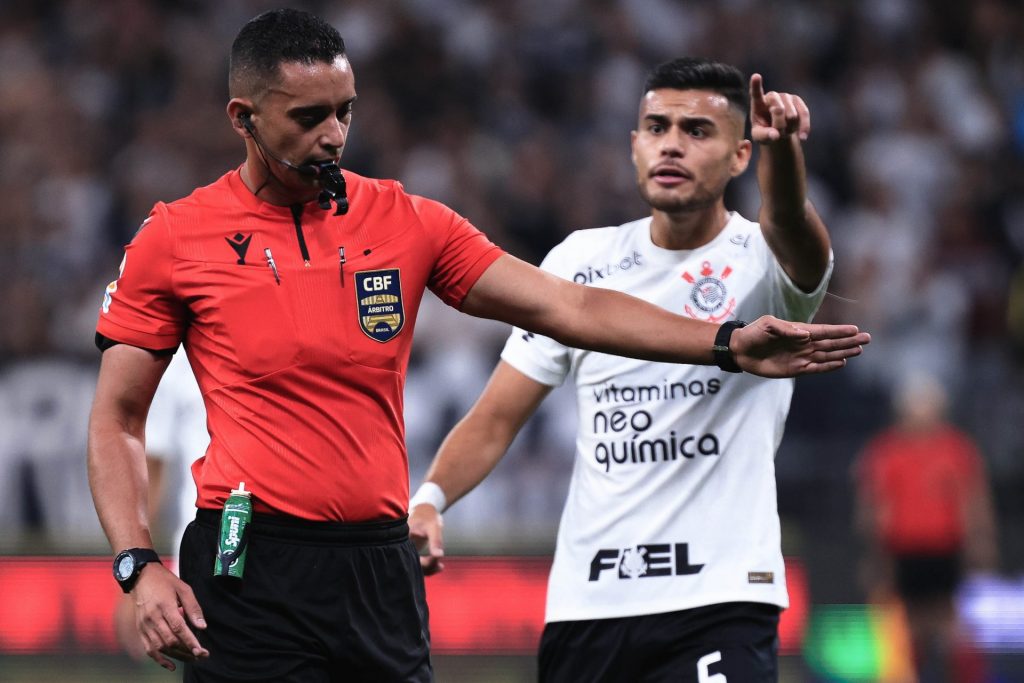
(721, 351)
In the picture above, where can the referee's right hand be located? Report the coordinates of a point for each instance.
(425, 530)
(162, 602)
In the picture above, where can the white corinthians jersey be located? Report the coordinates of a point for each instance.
(672, 499)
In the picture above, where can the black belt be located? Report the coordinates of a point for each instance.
(311, 531)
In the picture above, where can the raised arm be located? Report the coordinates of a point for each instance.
(779, 123)
(118, 480)
(470, 451)
(612, 322)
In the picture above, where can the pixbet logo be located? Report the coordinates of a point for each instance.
(644, 561)
(592, 273)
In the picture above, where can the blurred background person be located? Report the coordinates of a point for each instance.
(924, 507)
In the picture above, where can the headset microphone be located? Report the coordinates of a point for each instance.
(332, 182)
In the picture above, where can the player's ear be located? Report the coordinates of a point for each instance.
(741, 158)
(632, 147)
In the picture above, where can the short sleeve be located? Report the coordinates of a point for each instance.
(139, 307)
(464, 253)
(798, 304)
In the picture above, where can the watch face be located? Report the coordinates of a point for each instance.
(125, 566)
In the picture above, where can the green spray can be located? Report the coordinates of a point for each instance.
(234, 533)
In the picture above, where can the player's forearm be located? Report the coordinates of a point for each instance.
(118, 480)
(791, 225)
(612, 322)
(782, 179)
(587, 317)
(468, 454)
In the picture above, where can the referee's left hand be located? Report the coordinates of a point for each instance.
(425, 530)
(162, 603)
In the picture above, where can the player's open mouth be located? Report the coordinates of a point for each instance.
(670, 175)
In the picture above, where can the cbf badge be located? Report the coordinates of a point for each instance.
(709, 295)
(379, 294)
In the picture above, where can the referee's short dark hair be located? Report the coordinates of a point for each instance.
(696, 73)
(274, 38)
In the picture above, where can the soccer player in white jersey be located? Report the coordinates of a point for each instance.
(668, 563)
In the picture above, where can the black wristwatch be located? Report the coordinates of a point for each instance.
(721, 351)
(129, 563)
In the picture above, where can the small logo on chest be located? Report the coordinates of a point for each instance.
(240, 243)
(379, 295)
(709, 295)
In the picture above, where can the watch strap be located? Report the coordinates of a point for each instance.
(721, 351)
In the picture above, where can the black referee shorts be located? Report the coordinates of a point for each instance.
(735, 641)
(319, 602)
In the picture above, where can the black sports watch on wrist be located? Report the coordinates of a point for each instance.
(721, 351)
(129, 563)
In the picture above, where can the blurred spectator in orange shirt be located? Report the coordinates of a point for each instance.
(924, 507)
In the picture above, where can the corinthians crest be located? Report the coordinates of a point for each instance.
(709, 297)
(379, 294)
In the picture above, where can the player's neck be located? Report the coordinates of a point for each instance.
(688, 229)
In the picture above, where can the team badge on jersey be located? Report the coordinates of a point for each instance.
(709, 296)
(379, 295)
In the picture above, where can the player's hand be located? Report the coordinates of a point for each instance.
(425, 530)
(163, 602)
(770, 347)
(776, 115)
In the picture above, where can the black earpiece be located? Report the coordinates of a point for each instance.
(246, 120)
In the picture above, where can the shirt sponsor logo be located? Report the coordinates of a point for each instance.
(617, 447)
(593, 273)
(709, 295)
(666, 391)
(379, 295)
(644, 561)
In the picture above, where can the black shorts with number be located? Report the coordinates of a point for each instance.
(318, 602)
(733, 642)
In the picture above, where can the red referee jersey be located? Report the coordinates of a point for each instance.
(298, 325)
(922, 485)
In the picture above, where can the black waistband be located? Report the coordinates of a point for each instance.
(308, 531)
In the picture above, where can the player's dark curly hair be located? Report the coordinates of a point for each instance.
(276, 37)
(695, 73)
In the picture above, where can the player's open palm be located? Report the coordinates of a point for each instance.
(770, 347)
(776, 115)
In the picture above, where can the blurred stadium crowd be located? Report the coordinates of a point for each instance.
(517, 114)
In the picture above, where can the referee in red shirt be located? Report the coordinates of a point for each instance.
(294, 286)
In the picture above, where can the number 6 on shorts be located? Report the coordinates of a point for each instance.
(702, 668)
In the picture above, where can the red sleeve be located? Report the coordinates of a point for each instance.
(464, 253)
(140, 308)
(969, 464)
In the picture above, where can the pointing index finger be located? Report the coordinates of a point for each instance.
(756, 89)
